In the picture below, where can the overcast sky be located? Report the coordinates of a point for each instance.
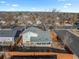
(39, 5)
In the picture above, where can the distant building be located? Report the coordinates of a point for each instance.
(29, 22)
(7, 36)
(38, 21)
(33, 36)
(2, 22)
(77, 24)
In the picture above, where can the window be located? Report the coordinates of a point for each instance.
(39, 43)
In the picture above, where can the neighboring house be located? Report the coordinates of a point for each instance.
(33, 36)
(7, 37)
(77, 24)
(68, 26)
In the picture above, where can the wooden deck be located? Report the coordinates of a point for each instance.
(59, 55)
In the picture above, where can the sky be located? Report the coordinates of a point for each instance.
(40, 5)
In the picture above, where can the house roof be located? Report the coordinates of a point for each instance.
(43, 36)
(7, 33)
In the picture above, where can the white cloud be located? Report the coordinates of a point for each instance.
(7, 4)
(15, 5)
(67, 5)
(39, 9)
(15, 9)
(34, 9)
(2, 2)
(61, 0)
(11, 9)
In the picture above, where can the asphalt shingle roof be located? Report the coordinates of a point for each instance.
(7, 33)
(43, 36)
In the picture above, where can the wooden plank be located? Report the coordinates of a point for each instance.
(59, 55)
